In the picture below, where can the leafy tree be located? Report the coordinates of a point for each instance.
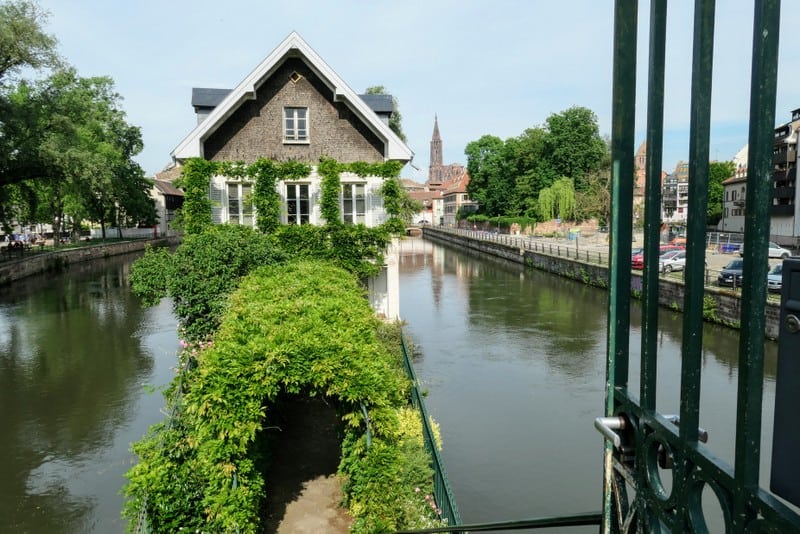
(558, 200)
(395, 121)
(23, 42)
(718, 172)
(574, 144)
(490, 184)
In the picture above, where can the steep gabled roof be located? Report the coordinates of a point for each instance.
(292, 46)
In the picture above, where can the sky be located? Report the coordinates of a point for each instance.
(484, 68)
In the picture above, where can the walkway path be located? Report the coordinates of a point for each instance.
(303, 491)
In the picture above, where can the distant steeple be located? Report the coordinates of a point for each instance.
(434, 170)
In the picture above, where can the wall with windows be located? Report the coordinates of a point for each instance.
(360, 200)
(293, 117)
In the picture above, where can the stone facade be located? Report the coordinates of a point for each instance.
(255, 129)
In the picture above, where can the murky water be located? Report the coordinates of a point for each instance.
(78, 360)
(513, 362)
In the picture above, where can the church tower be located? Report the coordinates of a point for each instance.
(435, 169)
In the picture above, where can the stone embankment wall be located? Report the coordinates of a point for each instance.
(720, 305)
(32, 264)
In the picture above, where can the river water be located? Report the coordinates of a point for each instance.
(513, 363)
(79, 358)
(512, 360)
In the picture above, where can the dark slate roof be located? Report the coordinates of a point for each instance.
(379, 103)
(205, 97)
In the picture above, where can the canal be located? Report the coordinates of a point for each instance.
(513, 362)
(81, 364)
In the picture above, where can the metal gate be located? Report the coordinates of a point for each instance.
(642, 444)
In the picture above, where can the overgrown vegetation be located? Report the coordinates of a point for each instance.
(297, 327)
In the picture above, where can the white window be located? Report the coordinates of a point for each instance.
(295, 125)
(297, 204)
(240, 204)
(354, 205)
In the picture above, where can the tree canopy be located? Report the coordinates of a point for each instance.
(66, 147)
(718, 172)
(508, 177)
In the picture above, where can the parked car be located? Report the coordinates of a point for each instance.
(774, 250)
(674, 260)
(637, 260)
(775, 278)
(731, 274)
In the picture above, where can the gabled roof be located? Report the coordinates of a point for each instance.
(292, 46)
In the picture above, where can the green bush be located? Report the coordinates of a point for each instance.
(205, 268)
(300, 327)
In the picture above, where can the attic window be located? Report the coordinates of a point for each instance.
(295, 77)
(295, 125)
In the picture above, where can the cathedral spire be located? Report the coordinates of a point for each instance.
(434, 171)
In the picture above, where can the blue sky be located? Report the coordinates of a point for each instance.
(483, 67)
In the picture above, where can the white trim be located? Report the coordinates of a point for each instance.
(191, 145)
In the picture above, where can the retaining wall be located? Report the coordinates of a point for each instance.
(31, 264)
(723, 305)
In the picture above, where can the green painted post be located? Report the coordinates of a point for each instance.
(652, 210)
(623, 125)
(764, 74)
(692, 343)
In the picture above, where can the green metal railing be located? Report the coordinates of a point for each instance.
(645, 449)
(441, 486)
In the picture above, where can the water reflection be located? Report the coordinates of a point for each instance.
(74, 352)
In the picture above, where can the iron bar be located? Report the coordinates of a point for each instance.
(652, 209)
(622, 139)
(764, 74)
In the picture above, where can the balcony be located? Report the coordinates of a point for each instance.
(783, 209)
(783, 192)
(783, 155)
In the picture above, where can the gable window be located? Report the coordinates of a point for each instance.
(297, 204)
(295, 125)
(240, 204)
(354, 205)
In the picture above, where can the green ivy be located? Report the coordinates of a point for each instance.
(195, 214)
(330, 169)
(298, 327)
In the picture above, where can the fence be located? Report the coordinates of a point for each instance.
(441, 486)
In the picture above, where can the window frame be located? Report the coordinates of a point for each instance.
(297, 216)
(244, 212)
(355, 216)
(291, 128)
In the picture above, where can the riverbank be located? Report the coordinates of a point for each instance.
(35, 263)
(721, 305)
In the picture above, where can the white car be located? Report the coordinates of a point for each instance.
(674, 260)
(774, 251)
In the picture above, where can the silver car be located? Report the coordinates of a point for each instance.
(775, 278)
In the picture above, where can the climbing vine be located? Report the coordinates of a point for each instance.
(298, 327)
(197, 173)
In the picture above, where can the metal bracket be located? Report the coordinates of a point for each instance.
(702, 434)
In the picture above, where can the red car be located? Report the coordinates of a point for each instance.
(637, 259)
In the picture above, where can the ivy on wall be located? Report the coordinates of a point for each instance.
(265, 173)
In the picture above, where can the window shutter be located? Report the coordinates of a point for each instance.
(215, 195)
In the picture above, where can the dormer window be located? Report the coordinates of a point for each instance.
(295, 125)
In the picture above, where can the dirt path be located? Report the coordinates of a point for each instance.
(303, 491)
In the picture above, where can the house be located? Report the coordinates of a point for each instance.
(168, 199)
(294, 107)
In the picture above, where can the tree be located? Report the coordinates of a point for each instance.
(558, 200)
(395, 121)
(491, 184)
(574, 145)
(718, 172)
(23, 43)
